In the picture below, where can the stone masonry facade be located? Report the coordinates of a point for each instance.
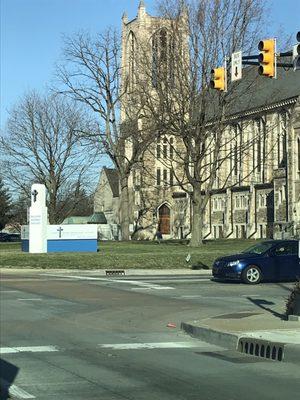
(256, 192)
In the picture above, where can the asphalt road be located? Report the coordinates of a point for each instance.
(80, 336)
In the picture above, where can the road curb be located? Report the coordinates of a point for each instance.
(292, 353)
(220, 338)
(232, 341)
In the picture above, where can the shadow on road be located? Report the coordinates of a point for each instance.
(8, 373)
(261, 303)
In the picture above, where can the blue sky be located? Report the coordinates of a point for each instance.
(31, 35)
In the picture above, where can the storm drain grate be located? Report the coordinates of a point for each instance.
(114, 272)
(260, 348)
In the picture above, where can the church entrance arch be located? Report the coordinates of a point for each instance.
(164, 219)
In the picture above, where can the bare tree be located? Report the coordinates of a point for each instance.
(19, 211)
(41, 145)
(91, 74)
(5, 205)
(177, 94)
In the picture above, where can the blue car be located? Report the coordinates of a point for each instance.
(271, 260)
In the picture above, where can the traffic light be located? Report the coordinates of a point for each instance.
(296, 53)
(267, 58)
(218, 80)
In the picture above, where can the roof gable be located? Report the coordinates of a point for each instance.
(113, 180)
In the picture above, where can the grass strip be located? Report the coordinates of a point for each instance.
(124, 255)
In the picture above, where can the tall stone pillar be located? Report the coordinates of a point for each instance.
(38, 220)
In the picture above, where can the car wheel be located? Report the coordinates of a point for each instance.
(251, 275)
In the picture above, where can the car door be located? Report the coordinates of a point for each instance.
(286, 260)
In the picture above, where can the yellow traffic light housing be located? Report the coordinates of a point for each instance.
(218, 80)
(267, 58)
(296, 53)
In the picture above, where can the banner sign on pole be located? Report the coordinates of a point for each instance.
(236, 66)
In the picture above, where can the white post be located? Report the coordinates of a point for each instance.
(38, 219)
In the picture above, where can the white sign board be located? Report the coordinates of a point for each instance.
(236, 66)
(63, 232)
(72, 231)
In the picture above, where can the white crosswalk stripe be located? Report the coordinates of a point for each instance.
(153, 286)
(161, 345)
(29, 349)
(16, 392)
(152, 345)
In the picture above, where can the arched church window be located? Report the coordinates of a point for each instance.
(171, 177)
(154, 61)
(158, 177)
(162, 56)
(171, 60)
(158, 148)
(259, 153)
(163, 44)
(165, 177)
(236, 167)
(258, 146)
(165, 148)
(282, 150)
(131, 58)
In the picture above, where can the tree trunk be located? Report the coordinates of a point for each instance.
(52, 209)
(124, 209)
(197, 219)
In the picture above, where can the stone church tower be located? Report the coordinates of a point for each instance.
(157, 203)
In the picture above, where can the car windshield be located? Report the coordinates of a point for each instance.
(258, 248)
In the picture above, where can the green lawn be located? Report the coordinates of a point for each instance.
(123, 255)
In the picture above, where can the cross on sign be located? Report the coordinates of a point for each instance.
(34, 194)
(60, 229)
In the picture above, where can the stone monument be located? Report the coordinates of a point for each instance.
(39, 237)
(38, 219)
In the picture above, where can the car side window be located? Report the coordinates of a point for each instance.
(286, 249)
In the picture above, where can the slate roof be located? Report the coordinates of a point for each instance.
(76, 220)
(255, 92)
(97, 218)
(113, 180)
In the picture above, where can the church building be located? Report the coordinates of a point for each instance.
(256, 193)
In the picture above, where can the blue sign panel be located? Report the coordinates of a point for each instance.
(69, 245)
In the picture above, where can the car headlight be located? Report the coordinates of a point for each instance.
(233, 263)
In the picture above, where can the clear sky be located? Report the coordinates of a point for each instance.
(31, 35)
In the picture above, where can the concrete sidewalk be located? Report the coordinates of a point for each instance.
(261, 334)
(103, 272)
